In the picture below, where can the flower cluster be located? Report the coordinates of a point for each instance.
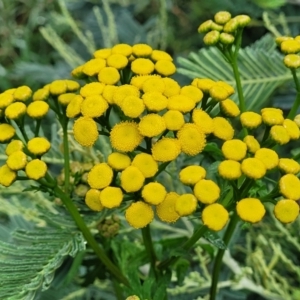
(290, 47)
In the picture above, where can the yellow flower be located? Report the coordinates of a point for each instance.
(166, 209)
(231, 26)
(72, 86)
(206, 191)
(250, 210)
(272, 116)
(222, 129)
(185, 204)
(286, 210)
(229, 108)
(243, 20)
(154, 193)
(93, 106)
(221, 91)
(38, 145)
(100, 176)
(279, 134)
(58, 87)
(153, 84)
(226, 38)
(6, 132)
(192, 174)
(280, 39)
(203, 120)
(138, 80)
(141, 50)
(132, 106)
(288, 166)
(165, 67)
(93, 88)
(111, 197)
(37, 109)
(234, 149)
(139, 214)
(77, 72)
(222, 17)
(212, 37)
(109, 75)
(15, 110)
(292, 61)
(192, 139)
(40, 95)
(205, 26)
(36, 169)
(204, 84)
(160, 55)
(22, 93)
(174, 119)
(118, 161)
(172, 87)
(93, 66)
(5, 99)
(250, 119)
(289, 186)
(117, 61)
(142, 66)
(132, 179)
(155, 101)
(15, 145)
(268, 157)
(252, 143)
(290, 46)
(65, 99)
(85, 131)
(7, 176)
(215, 216)
(73, 108)
(181, 103)
(292, 129)
(123, 49)
(253, 168)
(230, 169)
(92, 200)
(123, 91)
(192, 92)
(146, 164)
(108, 93)
(102, 53)
(125, 136)
(17, 160)
(151, 125)
(166, 149)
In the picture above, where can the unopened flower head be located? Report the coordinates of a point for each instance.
(215, 216)
(290, 46)
(229, 108)
(93, 106)
(38, 145)
(15, 110)
(151, 125)
(132, 179)
(37, 109)
(252, 143)
(100, 176)
(85, 131)
(117, 61)
(222, 129)
(155, 101)
(111, 197)
(289, 186)
(36, 169)
(146, 164)
(74, 107)
(58, 87)
(157, 55)
(66, 98)
(192, 92)
(250, 210)
(142, 66)
(123, 91)
(185, 204)
(230, 169)
(222, 17)
(207, 191)
(93, 88)
(286, 210)
(22, 93)
(102, 53)
(171, 87)
(153, 84)
(181, 103)
(288, 166)
(174, 120)
(123, 49)
(211, 38)
(92, 200)
(14, 145)
(165, 67)
(268, 157)
(17, 160)
(253, 168)
(234, 149)
(7, 176)
(292, 129)
(40, 95)
(141, 50)
(166, 149)
(139, 214)
(292, 61)
(272, 116)
(192, 174)
(154, 193)
(109, 75)
(221, 91)
(279, 134)
(166, 209)
(118, 161)
(93, 66)
(250, 119)
(203, 120)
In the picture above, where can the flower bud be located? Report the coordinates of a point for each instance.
(290, 46)
(226, 38)
(211, 38)
(297, 120)
(222, 17)
(81, 190)
(205, 26)
(243, 20)
(280, 39)
(231, 26)
(215, 26)
(292, 61)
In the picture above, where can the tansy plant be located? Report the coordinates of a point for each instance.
(126, 94)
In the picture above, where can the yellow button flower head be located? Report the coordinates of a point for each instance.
(123, 91)
(286, 210)
(250, 210)
(153, 84)
(123, 49)
(192, 92)
(85, 131)
(205, 26)
(172, 87)
(93, 88)
(204, 84)
(77, 72)
(250, 119)
(118, 161)
(272, 116)
(93, 66)
(109, 75)
(222, 129)
(154, 193)
(290, 46)
(152, 125)
(229, 108)
(243, 20)
(292, 129)
(215, 216)
(253, 168)
(36, 169)
(230, 169)
(117, 61)
(108, 93)
(74, 107)
(125, 136)
(72, 86)
(58, 87)
(280, 39)
(37, 109)
(207, 191)
(141, 50)
(92, 200)
(231, 26)
(234, 149)
(182, 103)
(142, 66)
(22, 93)
(17, 160)
(203, 120)
(132, 179)
(160, 55)
(93, 106)
(139, 214)
(155, 101)
(132, 106)
(38, 145)
(288, 166)
(7, 176)
(192, 174)
(289, 186)
(174, 119)
(166, 149)
(217, 27)
(102, 53)
(221, 91)
(5, 99)
(146, 164)
(192, 139)
(15, 145)
(222, 17)
(165, 67)
(15, 110)
(185, 204)
(111, 197)
(138, 80)
(252, 143)
(6, 133)
(100, 176)
(226, 38)
(40, 95)
(166, 209)
(66, 98)
(292, 61)
(279, 134)
(212, 37)
(268, 157)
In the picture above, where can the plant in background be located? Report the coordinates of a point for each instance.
(126, 105)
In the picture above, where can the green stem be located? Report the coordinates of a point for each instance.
(296, 104)
(89, 237)
(64, 123)
(218, 260)
(37, 127)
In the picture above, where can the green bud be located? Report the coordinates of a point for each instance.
(280, 39)
(81, 190)
(134, 297)
(292, 61)
(75, 167)
(84, 177)
(222, 17)
(243, 20)
(226, 38)
(215, 26)
(211, 38)
(205, 26)
(231, 26)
